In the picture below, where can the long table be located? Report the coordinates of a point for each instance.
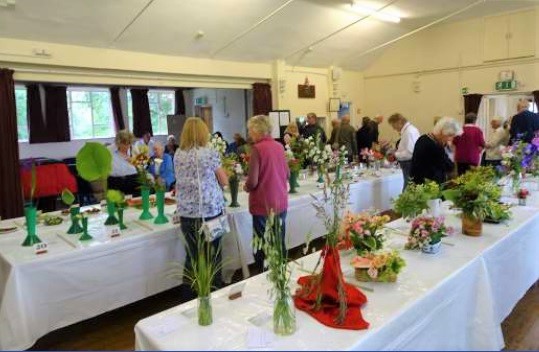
(454, 300)
(75, 281)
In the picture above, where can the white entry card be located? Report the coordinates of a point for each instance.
(41, 248)
(113, 231)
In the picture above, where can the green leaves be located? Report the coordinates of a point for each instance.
(115, 196)
(94, 162)
(413, 200)
(67, 197)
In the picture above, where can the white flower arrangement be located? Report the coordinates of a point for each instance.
(218, 144)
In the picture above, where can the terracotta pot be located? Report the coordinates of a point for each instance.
(471, 226)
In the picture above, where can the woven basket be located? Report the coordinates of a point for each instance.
(361, 275)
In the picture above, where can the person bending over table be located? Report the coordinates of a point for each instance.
(123, 176)
(429, 160)
(199, 178)
(267, 181)
(166, 169)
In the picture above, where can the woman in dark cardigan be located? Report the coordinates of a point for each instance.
(430, 161)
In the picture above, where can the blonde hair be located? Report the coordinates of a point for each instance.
(124, 137)
(195, 134)
(260, 124)
(292, 129)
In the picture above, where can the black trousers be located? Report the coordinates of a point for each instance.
(127, 184)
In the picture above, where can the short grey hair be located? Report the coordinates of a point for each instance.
(260, 124)
(447, 126)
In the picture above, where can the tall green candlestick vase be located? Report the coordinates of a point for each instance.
(146, 215)
(75, 227)
(111, 211)
(120, 211)
(85, 235)
(292, 181)
(234, 183)
(30, 213)
(161, 217)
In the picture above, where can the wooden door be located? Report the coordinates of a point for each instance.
(205, 113)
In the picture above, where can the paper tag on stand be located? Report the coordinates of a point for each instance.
(40, 248)
(113, 231)
(236, 291)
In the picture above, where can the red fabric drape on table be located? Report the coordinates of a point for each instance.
(472, 102)
(142, 121)
(11, 204)
(262, 103)
(51, 179)
(327, 314)
(536, 97)
(117, 112)
(56, 113)
(179, 101)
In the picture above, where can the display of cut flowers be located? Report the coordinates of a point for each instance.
(378, 266)
(363, 232)
(218, 144)
(295, 163)
(427, 230)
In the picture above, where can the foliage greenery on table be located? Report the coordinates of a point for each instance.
(414, 199)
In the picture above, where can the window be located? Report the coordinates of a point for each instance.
(90, 113)
(161, 105)
(22, 118)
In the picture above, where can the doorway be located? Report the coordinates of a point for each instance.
(205, 113)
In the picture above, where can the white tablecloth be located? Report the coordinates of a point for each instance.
(74, 282)
(454, 300)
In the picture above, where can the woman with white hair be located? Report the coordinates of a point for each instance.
(162, 166)
(266, 181)
(497, 140)
(429, 160)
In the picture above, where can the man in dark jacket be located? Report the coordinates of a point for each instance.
(312, 128)
(524, 124)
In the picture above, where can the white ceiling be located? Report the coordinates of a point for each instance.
(169, 26)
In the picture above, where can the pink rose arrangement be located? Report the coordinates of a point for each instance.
(427, 230)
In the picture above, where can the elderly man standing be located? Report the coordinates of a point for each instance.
(405, 150)
(345, 135)
(498, 139)
(312, 129)
(524, 124)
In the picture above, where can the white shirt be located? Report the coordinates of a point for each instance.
(496, 141)
(150, 145)
(120, 166)
(409, 135)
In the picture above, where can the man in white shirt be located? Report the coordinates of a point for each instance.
(497, 140)
(146, 140)
(405, 148)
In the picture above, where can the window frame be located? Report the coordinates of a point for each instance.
(88, 89)
(156, 129)
(23, 87)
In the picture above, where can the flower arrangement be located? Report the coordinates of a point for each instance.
(140, 159)
(523, 193)
(317, 152)
(379, 267)
(414, 199)
(427, 230)
(371, 155)
(218, 144)
(279, 275)
(518, 159)
(245, 158)
(295, 162)
(362, 232)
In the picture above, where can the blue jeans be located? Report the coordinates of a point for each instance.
(259, 225)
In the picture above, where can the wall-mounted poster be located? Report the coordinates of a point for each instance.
(344, 109)
(306, 91)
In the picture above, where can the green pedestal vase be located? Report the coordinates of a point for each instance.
(297, 181)
(85, 235)
(146, 215)
(161, 217)
(30, 213)
(292, 181)
(121, 218)
(75, 227)
(234, 184)
(111, 211)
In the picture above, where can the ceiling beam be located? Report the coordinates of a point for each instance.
(133, 20)
(250, 29)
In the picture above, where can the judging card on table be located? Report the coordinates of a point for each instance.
(41, 248)
(113, 231)
(236, 291)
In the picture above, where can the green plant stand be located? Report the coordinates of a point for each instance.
(146, 215)
(30, 213)
(161, 217)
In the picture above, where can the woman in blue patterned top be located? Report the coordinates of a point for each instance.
(198, 172)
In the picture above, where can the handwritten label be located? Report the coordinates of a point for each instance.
(113, 231)
(40, 248)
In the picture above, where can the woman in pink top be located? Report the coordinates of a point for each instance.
(267, 180)
(469, 145)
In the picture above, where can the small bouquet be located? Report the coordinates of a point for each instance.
(141, 160)
(378, 267)
(218, 144)
(294, 162)
(415, 198)
(427, 231)
(362, 232)
(317, 152)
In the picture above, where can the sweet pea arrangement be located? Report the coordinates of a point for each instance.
(379, 266)
(363, 232)
(427, 233)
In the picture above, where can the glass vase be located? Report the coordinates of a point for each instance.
(120, 211)
(516, 182)
(284, 314)
(85, 235)
(111, 211)
(75, 227)
(146, 215)
(234, 183)
(320, 175)
(161, 217)
(293, 181)
(30, 213)
(205, 315)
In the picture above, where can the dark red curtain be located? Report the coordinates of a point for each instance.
(117, 113)
(11, 204)
(56, 113)
(536, 97)
(36, 117)
(262, 103)
(179, 101)
(472, 102)
(142, 121)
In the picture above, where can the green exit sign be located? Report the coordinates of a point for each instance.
(506, 85)
(201, 101)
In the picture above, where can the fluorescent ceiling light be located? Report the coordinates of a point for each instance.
(382, 16)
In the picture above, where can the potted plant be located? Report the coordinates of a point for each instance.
(416, 198)
(427, 233)
(378, 267)
(498, 212)
(363, 232)
(474, 193)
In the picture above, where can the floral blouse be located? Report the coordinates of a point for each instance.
(187, 185)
